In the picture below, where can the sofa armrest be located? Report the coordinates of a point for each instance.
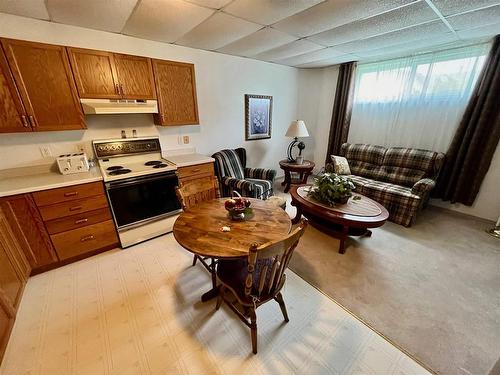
(260, 173)
(423, 187)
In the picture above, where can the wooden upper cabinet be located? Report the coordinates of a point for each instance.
(27, 224)
(135, 77)
(106, 75)
(13, 117)
(95, 73)
(176, 91)
(43, 76)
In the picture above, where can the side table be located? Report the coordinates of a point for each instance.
(304, 170)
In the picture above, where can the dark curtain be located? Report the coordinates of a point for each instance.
(476, 139)
(342, 107)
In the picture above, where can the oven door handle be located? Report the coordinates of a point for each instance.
(118, 184)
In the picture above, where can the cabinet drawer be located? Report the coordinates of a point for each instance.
(194, 171)
(73, 207)
(77, 221)
(69, 193)
(83, 240)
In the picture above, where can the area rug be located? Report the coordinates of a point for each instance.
(432, 289)
(138, 311)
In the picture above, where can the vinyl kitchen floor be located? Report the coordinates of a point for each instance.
(138, 311)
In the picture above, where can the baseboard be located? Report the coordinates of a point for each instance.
(462, 214)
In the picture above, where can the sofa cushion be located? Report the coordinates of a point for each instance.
(359, 181)
(340, 164)
(406, 166)
(399, 200)
(364, 160)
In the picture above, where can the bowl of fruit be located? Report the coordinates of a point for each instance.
(238, 207)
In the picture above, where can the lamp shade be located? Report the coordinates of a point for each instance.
(297, 128)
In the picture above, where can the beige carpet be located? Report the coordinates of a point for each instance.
(433, 289)
(137, 311)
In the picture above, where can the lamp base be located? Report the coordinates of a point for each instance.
(292, 144)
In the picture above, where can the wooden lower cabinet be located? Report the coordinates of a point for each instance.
(14, 272)
(84, 240)
(78, 219)
(26, 221)
(194, 172)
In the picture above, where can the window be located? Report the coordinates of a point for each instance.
(415, 101)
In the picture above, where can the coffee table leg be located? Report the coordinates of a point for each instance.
(298, 215)
(343, 238)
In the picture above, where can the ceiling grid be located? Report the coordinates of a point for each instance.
(300, 33)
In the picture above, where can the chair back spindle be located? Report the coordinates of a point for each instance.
(274, 258)
(192, 193)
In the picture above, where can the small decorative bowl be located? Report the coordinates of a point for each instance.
(239, 213)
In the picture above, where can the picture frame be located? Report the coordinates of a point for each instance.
(258, 116)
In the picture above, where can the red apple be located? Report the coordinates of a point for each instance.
(229, 204)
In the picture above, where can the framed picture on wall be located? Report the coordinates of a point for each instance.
(258, 115)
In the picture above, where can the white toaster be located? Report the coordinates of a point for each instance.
(72, 163)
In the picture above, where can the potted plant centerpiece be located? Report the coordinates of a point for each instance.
(331, 189)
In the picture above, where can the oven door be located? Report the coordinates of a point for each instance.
(136, 201)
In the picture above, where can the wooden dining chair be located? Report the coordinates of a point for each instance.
(258, 279)
(193, 193)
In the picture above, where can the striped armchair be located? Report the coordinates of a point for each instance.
(230, 168)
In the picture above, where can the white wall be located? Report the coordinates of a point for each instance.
(221, 82)
(317, 93)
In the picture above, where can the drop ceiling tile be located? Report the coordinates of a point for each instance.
(334, 13)
(218, 31)
(214, 4)
(322, 54)
(405, 36)
(449, 7)
(484, 32)
(400, 18)
(295, 48)
(110, 15)
(165, 20)
(25, 8)
(267, 12)
(329, 62)
(470, 20)
(261, 41)
(405, 49)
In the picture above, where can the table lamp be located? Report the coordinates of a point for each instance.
(296, 129)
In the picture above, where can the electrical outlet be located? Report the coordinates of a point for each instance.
(185, 139)
(80, 147)
(45, 151)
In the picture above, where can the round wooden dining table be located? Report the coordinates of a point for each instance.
(199, 230)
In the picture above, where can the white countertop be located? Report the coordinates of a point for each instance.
(43, 177)
(30, 179)
(185, 160)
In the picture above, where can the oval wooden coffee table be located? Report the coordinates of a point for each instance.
(199, 231)
(350, 219)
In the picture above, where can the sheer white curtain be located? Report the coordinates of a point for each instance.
(415, 101)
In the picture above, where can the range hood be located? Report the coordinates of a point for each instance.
(118, 106)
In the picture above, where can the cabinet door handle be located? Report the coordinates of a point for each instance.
(32, 121)
(71, 194)
(196, 170)
(121, 90)
(25, 121)
(75, 208)
(117, 89)
(81, 221)
(87, 238)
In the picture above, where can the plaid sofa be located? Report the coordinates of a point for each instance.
(230, 168)
(400, 179)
